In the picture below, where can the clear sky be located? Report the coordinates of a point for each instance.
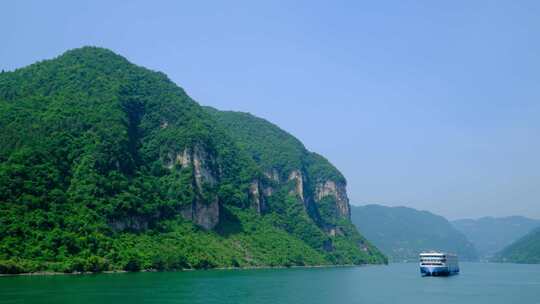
(429, 104)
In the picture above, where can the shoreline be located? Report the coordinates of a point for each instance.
(52, 273)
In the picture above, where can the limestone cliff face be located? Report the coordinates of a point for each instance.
(273, 179)
(326, 201)
(297, 178)
(272, 175)
(204, 214)
(204, 210)
(338, 192)
(323, 198)
(257, 197)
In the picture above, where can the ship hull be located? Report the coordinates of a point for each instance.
(438, 271)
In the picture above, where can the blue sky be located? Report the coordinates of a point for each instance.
(432, 105)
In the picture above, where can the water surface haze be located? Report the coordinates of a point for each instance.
(396, 283)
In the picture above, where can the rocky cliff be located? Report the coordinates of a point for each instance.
(203, 210)
(290, 170)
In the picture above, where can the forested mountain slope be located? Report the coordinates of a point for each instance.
(402, 233)
(290, 174)
(106, 165)
(491, 234)
(525, 250)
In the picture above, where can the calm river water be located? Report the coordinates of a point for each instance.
(397, 283)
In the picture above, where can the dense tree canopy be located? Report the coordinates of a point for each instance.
(525, 250)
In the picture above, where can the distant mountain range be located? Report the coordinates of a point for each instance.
(402, 233)
(491, 235)
(524, 250)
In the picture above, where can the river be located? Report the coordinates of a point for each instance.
(396, 283)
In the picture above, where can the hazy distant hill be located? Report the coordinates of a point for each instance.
(490, 235)
(401, 233)
(524, 250)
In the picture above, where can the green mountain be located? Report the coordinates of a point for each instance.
(490, 235)
(105, 165)
(525, 250)
(402, 233)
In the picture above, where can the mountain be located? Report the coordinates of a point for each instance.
(490, 235)
(402, 233)
(297, 183)
(105, 165)
(525, 250)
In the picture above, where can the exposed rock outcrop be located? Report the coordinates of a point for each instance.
(339, 192)
(334, 231)
(273, 175)
(203, 212)
(298, 179)
(268, 191)
(257, 197)
(206, 213)
(203, 168)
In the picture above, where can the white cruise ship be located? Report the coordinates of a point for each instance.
(438, 264)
